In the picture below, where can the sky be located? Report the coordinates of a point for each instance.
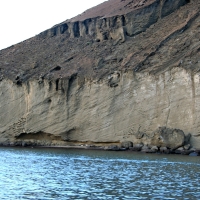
(22, 19)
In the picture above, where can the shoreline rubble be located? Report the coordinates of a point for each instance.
(135, 148)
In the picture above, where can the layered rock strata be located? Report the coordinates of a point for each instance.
(131, 110)
(107, 79)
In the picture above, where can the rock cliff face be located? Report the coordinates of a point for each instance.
(106, 77)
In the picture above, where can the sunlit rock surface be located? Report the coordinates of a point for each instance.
(107, 78)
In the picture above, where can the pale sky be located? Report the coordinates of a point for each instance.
(22, 19)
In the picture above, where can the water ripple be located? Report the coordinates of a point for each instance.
(74, 174)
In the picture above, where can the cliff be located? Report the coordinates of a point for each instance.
(115, 73)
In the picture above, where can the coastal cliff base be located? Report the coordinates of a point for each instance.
(122, 107)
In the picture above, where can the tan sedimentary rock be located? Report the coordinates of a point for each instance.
(107, 79)
(99, 113)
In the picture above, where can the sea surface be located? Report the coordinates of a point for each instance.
(46, 174)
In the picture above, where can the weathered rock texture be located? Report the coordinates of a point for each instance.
(116, 73)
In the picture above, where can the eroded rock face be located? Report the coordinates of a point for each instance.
(107, 78)
(67, 111)
(122, 18)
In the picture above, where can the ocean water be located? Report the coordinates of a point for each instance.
(46, 174)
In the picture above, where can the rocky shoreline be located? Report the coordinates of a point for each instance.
(162, 140)
(127, 146)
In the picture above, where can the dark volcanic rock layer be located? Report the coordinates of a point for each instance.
(119, 69)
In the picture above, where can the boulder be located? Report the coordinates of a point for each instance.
(194, 154)
(154, 149)
(136, 147)
(147, 149)
(186, 152)
(187, 147)
(12, 144)
(179, 150)
(164, 150)
(112, 148)
(168, 137)
(126, 144)
(24, 143)
(18, 143)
